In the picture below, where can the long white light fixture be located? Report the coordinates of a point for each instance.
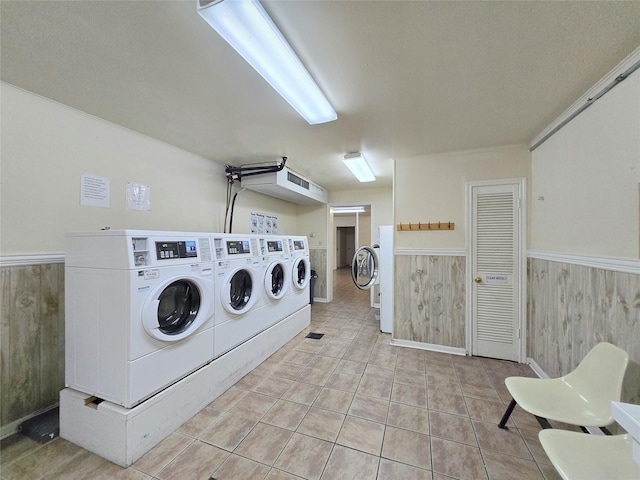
(247, 27)
(359, 167)
(356, 209)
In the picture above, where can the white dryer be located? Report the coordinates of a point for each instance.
(138, 311)
(300, 273)
(276, 274)
(373, 265)
(240, 304)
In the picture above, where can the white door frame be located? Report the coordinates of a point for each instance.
(331, 239)
(522, 286)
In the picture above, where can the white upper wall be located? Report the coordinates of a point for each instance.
(47, 146)
(381, 200)
(586, 180)
(248, 202)
(431, 188)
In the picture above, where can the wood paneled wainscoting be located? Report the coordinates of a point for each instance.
(576, 302)
(572, 303)
(32, 338)
(429, 305)
(318, 260)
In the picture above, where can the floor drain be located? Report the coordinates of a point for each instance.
(315, 336)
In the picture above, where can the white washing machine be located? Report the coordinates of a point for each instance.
(138, 311)
(276, 274)
(240, 305)
(300, 273)
(373, 265)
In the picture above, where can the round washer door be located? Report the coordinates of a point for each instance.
(238, 291)
(364, 268)
(301, 272)
(276, 280)
(176, 308)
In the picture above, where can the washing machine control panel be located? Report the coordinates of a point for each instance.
(298, 245)
(173, 250)
(274, 246)
(238, 247)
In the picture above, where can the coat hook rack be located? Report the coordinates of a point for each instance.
(414, 227)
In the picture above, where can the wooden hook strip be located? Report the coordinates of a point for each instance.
(411, 226)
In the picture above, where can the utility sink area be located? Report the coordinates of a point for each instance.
(628, 417)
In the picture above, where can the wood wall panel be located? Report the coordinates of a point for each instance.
(571, 308)
(32, 331)
(430, 299)
(318, 260)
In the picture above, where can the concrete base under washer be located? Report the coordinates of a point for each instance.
(123, 435)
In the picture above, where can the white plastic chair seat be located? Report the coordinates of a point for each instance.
(577, 456)
(555, 399)
(582, 397)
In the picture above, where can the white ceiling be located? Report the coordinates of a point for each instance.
(406, 78)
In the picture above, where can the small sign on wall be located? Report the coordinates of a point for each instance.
(94, 191)
(138, 196)
(497, 279)
(262, 223)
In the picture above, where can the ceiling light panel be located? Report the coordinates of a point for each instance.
(359, 167)
(247, 27)
(356, 209)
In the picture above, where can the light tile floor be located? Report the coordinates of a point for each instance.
(347, 406)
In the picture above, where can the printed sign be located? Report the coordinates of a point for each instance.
(94, 191)
(263, 223)
(497, 279)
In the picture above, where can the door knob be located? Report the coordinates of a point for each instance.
(478, 279)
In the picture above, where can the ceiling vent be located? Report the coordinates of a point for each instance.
(287, 185)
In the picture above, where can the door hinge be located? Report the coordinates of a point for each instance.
(518, 333)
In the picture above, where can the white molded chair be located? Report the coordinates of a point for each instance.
(582, 397)
(577, 456)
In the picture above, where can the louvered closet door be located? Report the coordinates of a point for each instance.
(496, 271)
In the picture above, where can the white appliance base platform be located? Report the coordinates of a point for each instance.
(123, 435)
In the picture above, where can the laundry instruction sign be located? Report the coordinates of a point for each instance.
(94, 191)
(264, 223)
(497, 279)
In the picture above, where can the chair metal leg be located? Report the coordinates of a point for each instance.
(544, 423)
(604, 430)
(507, 414)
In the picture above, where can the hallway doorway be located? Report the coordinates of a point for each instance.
(350, 227)
(345, 246)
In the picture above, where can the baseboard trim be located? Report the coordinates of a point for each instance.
(429, 346)
(14, 427)
(537, 368)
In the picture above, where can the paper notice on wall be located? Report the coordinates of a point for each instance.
(138, 196)
(94, 191)
(263, 223)
(256, 222)
(270, 224)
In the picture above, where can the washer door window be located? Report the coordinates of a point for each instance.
(301, 272)
(276, 280)
(364, 268)
(176, 309)
(238, 291)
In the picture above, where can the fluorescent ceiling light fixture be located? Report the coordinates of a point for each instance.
(359, 167)
(356, 209)
(247, 27)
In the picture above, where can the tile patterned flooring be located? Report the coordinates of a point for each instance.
(346, 406)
